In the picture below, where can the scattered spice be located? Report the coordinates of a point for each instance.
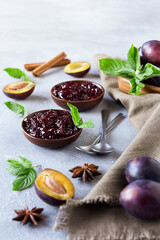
(86, 171)
(45, 66)
(32, 66)
(28, 215)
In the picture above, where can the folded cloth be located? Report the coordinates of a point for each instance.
(99, 216)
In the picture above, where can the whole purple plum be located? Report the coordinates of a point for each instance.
(142, 168)
(154, 81)
(141, 199)
(142, 61)
(151, 52)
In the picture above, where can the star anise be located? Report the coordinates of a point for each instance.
(85, 171)
(28, 215)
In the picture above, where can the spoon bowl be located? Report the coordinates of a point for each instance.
(87, 149)
(102, 148)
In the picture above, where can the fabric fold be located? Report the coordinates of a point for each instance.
(98, 215)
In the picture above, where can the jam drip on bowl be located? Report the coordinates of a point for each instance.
(73, 91)
(52, 124)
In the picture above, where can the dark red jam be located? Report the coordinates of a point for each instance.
(74, 91)
(53, 124)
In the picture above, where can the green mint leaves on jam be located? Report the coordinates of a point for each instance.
(17, 73)
(17, 108)
(131, 69)
(77, 119)
(24, 171)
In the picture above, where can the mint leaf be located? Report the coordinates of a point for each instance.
(25, 113)
(116, 67)
(148, 71)
(26, 163)
(133, 58)
(136, 86)
(75, 115)
(25, 172)
(14, 162)
(133, 86)
(14, 170)
(14, 72)
(24, 181)
(25, 77)
(87, 124)
(17, 73)
(77, 119)
(15, 166)
(17, 108)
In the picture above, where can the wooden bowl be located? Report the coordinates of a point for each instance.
(81, 105)
(124, 85)
(49, 143)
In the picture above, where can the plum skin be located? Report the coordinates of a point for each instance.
(46, 198)
(154, 81)
(142, 168)
(151, 52)
(141, 199)
(79, 74)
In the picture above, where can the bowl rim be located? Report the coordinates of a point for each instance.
(81, 101)
(47, 140)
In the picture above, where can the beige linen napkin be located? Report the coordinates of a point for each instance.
(98, 216)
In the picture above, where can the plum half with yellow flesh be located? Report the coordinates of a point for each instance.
(77, 69)
(53, 187)
(19, 90)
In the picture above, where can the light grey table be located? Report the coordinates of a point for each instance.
(37, 30)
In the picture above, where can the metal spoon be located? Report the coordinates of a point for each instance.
(87, 149)
(102, 147)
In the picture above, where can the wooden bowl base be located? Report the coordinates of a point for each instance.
(124, 85)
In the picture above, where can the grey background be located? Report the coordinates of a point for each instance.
(37, 30)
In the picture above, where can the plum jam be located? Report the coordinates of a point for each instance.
(52, 124)
(74, 91)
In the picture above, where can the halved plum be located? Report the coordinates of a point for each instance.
(77, 69)
(19, 90)
(53, 187)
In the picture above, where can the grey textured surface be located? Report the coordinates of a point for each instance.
(37, 30)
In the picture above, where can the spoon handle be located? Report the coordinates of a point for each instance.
(105, 116)
(110, 127)
(114, 122)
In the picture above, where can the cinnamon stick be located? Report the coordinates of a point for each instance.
(32, 66)
(45, 66)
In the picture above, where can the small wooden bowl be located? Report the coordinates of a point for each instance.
(124, 85)
(81, 105)
(49, 143)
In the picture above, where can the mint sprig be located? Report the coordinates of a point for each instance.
(17, 73)
(17, 108)
(24, 171)
(77, 119)
(131, 69)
